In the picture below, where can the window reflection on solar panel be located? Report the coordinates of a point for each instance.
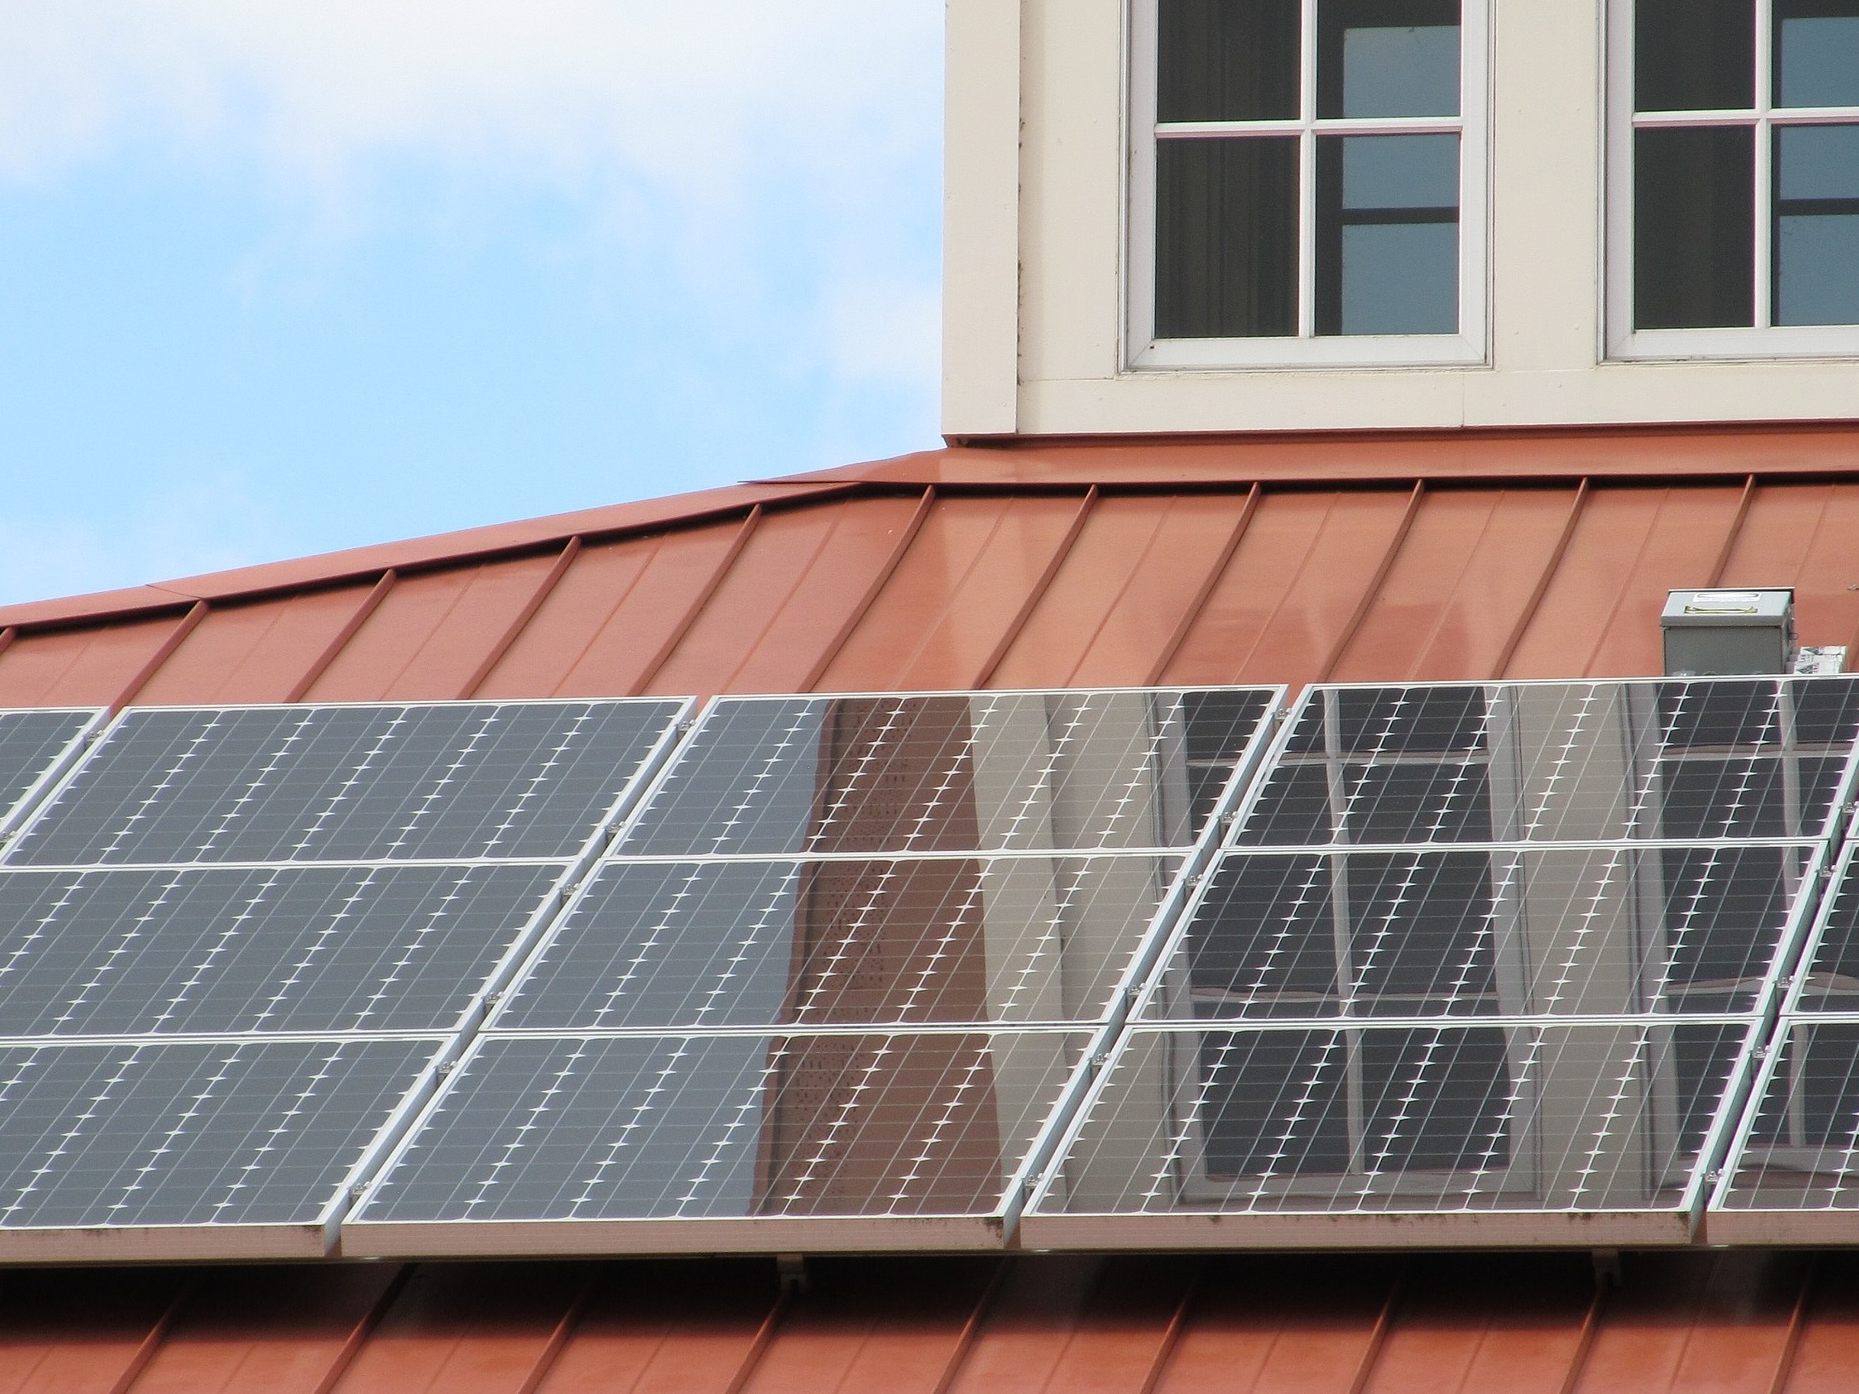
(347, 783)
(953, 772)
(31, 743)
(279, 949)
(1802, 1150)
(1543, 1116)
(1830, 982)
(769, 943)
(1557, 931)
(190, 1133)
(1592, 761)
(728, 1127)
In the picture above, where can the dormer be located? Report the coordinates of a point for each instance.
(1202, 216)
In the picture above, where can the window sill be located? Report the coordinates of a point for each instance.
(1834, 341)
(1361, 351)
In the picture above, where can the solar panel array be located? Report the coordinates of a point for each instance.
(239, 945)
(834, 984)
(1481, 963)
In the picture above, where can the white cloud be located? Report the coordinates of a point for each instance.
(700, 98)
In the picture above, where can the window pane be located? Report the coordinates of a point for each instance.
(1817, 52)
(1228, 62)
(1387, 58)
(1694, 55)
(1817, 225)
(1694, 227)
(1226, 238)
(1388, 234)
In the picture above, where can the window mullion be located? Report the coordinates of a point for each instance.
(1307, 173)
(1763, 164)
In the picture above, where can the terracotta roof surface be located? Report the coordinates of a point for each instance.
(1409, 557)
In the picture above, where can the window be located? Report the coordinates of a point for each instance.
(1308, 182)
(1735, 172)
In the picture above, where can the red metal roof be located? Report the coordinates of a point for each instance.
(1286, 560)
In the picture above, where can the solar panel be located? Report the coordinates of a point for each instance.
(222, 950)
(34, 745)
(191, 1149)
(743, 1142)
(1524, 1132)
(953, 772)
(1561, 931)
(1793, 1173)
(437, 781)
(691, 945)
(1680, 760)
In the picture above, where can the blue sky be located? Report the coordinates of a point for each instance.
(281, 277)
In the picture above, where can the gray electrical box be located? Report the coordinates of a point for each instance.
(1729, 631)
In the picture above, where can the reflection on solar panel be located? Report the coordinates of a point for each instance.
(211, 950)
(186, 1149)
(1587, 1133)
(1793, 1175)
(742, 1142)
(681, 945)
(443, 781)
(1562, 931)
(33, 745)
(958, 772)
(1683, 760)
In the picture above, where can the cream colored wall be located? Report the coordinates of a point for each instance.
(1059, 262)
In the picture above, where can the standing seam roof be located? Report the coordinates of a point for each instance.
(1403, 558)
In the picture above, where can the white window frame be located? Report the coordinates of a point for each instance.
(1469, 347)
(1764, 339)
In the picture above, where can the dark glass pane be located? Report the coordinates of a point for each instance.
(1226, 238)
(1435, 1100)
(1274, 1105)
(1817, 225)
(1395, 720)
(1263, 934)
(1388, 234)
(1694, 55)
(1387, 58)
(1221, 61)
(1421, 933)
(1694, 227)
(1816, 52)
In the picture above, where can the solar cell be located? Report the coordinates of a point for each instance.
(1681, 760)
(741, 1142)
(955, 772)
(223, 950)
(1539, 1131)
(190, 1149)
(33, 744)
(689, 945)
(1562, 931)
(438, 781)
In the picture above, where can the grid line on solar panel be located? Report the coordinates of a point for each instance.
(746, 1142)
(282, 949)
(35, 744)
(1681, 760)
(193, 1149)
(1556, 929)
(1323, 1135)
(443, 781)
(1106, 769)
(668, 945)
